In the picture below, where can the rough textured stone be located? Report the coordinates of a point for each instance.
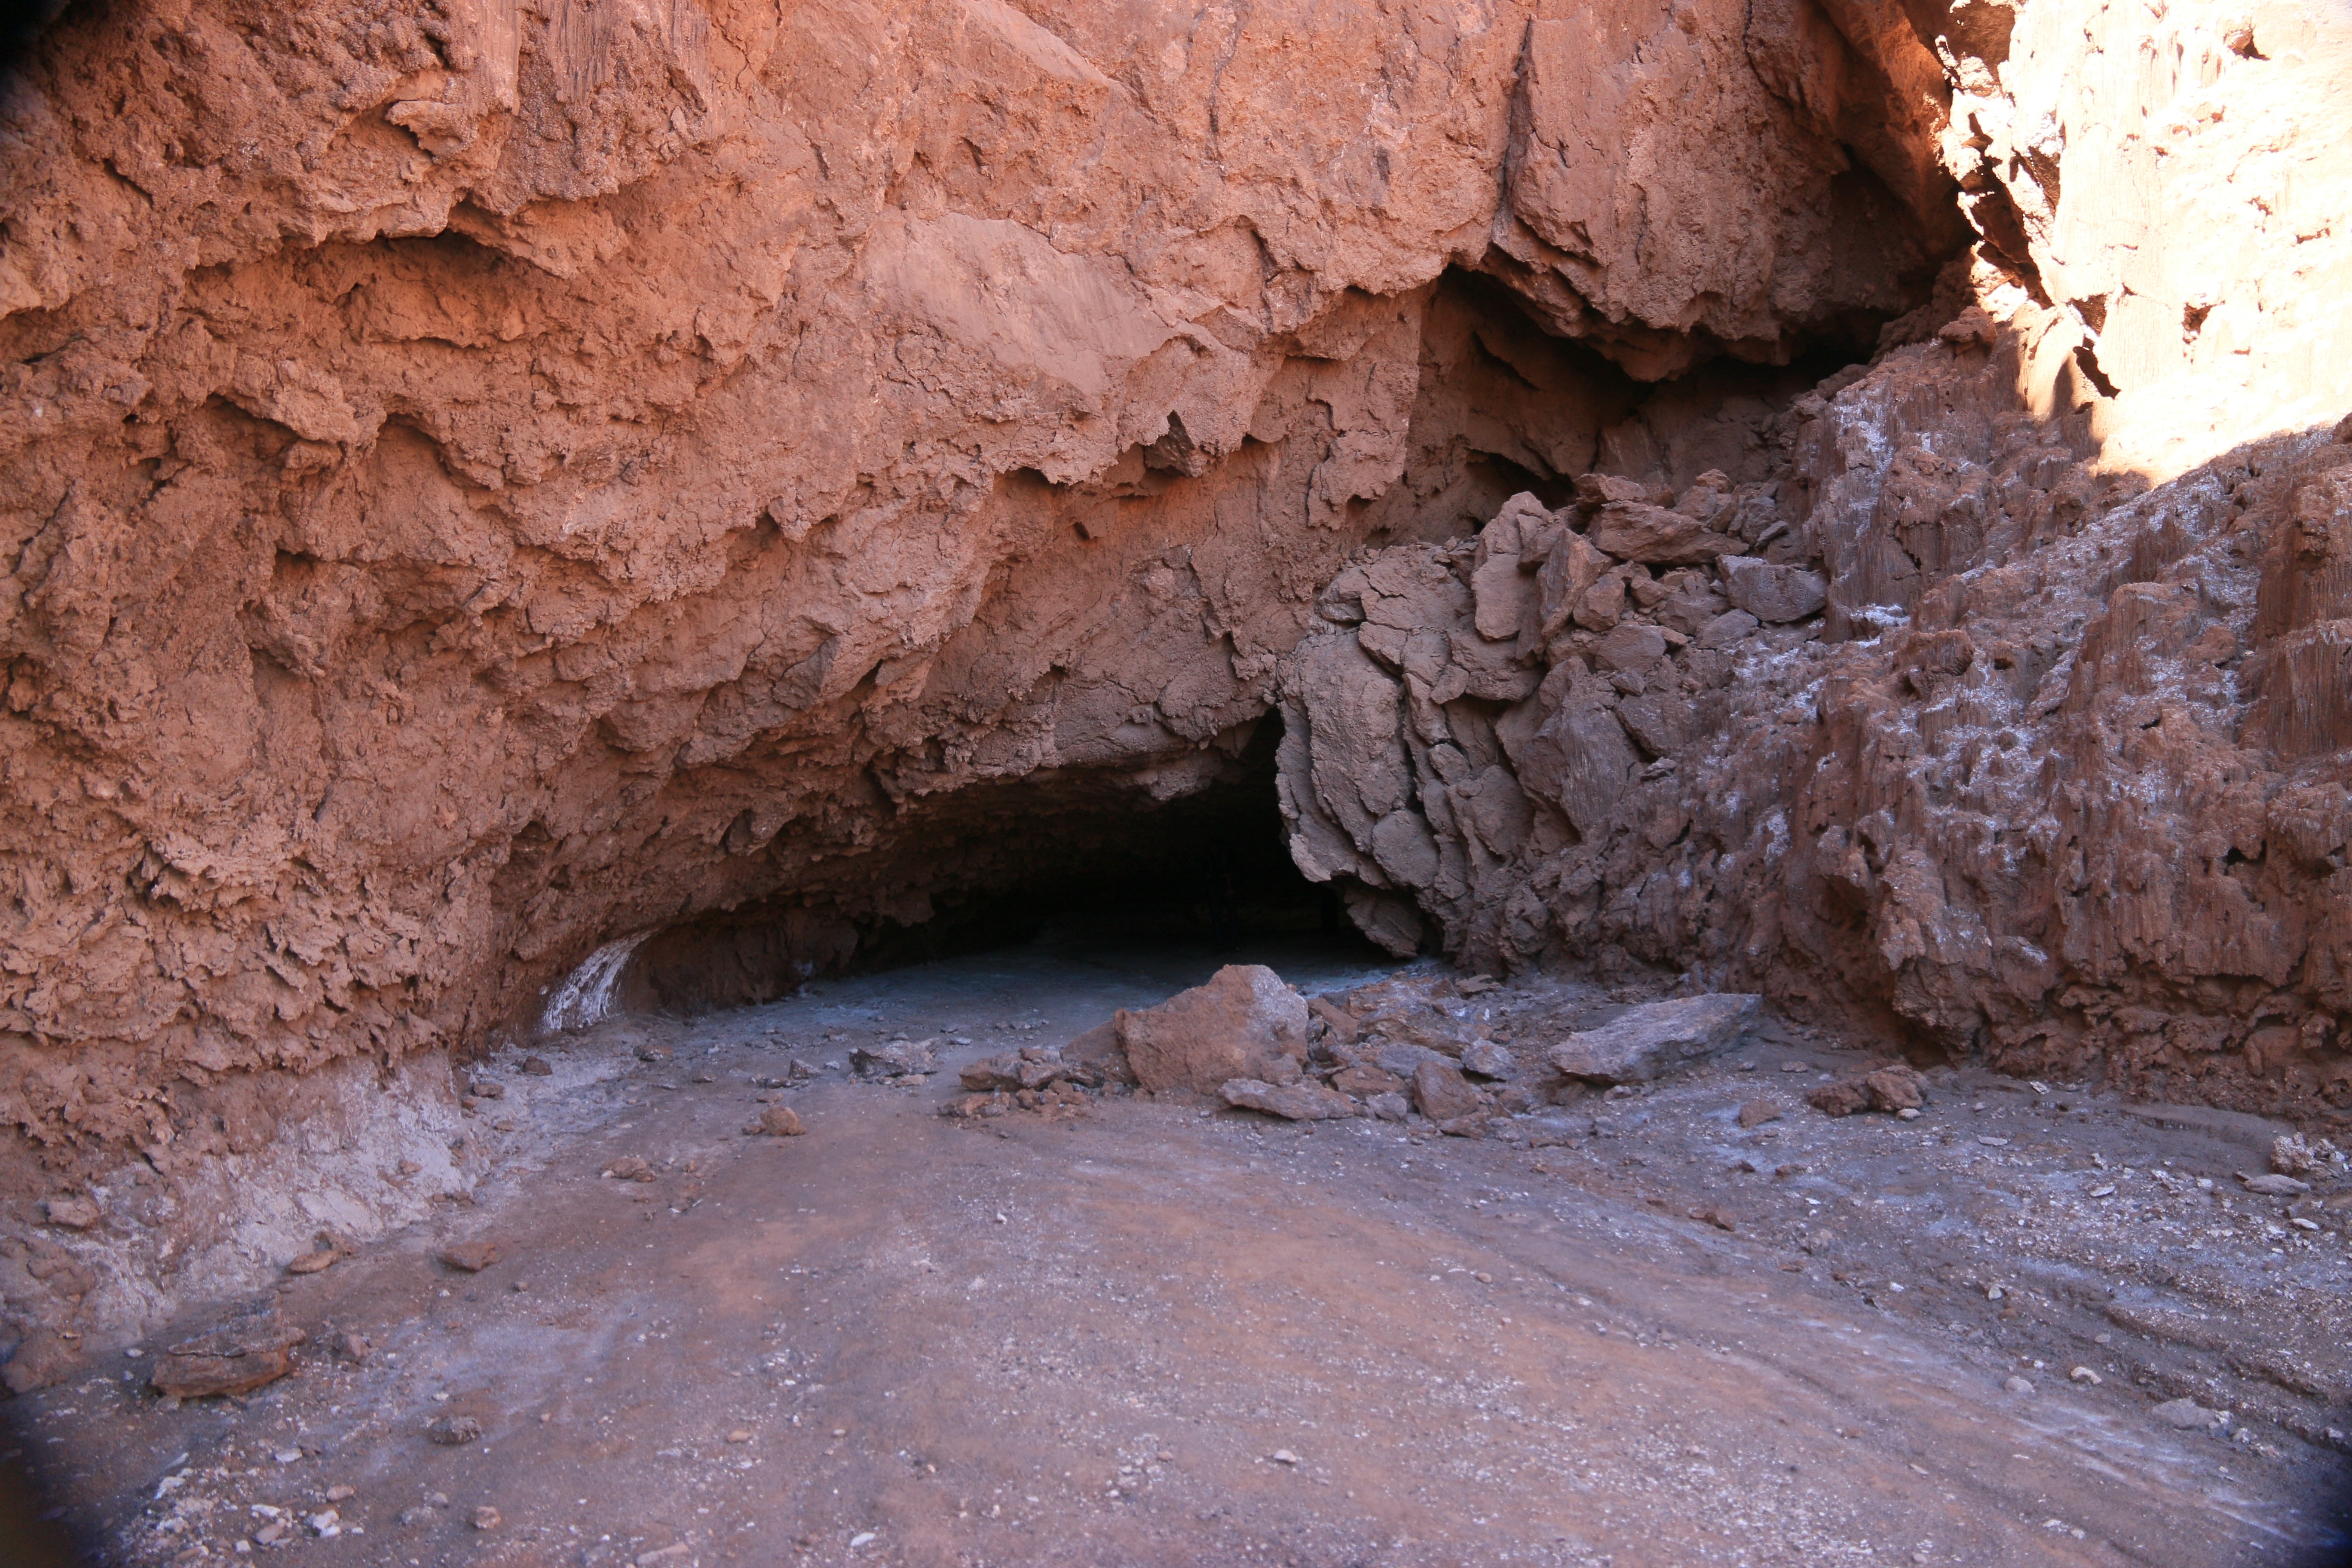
(1441, 1093)
(240, 1353)
(1650, 1041)
(1245, 1023)
(895, 1059)
(1772, 593)
(781, 1121)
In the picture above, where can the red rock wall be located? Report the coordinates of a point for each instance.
(485, 479)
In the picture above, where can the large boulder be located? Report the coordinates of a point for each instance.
(1651, 1041)
(1245, 1023)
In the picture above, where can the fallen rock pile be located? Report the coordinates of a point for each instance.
(1033, 1077)
(1408, 1048)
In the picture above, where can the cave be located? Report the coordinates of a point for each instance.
(956, 782)
(1207, 873)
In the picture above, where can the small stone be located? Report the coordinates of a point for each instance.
(653, 1053)
(780, 1121)
(487, 1518)
(313, 1262)
(73, 1211)
(470, 1256)
(1895, 1088)
(415, 1515)
(455, 1431)
(2084, 1374)
(538, 1066)
(1714, 1214)
(2274, 1187)
(1487, 1059)
(1442, 1092)
(489, 1088)
(1726, 629)
(1846, 1098)
(270, 1534)
(895, 1059)
(629, 1168)
(2188, 1415)
(1796, 1066)
(2016, 1384)
(1389, 1107)
(740, 1434)
(1909, 1113)
(1757, 1113)
(326, 1525)
(1282, 1457)
(342, 1493)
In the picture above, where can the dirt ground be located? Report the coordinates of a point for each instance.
(1150, 1332)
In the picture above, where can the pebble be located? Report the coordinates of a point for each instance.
(338, 1494)
(538, 1066)
(487, 1518)
(1282, 1457)
(2016, 1384)
(740, 1434)
(2084, 1374)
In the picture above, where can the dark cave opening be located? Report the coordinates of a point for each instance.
(1084, 861)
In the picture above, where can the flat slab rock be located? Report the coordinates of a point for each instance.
(1303, 1102)
(1651, 1041)
(240, 1353)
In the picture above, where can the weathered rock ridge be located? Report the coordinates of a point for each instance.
(488, 479)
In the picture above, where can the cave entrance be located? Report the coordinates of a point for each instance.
(1073, 863)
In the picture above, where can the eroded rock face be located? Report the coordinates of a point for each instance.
(487, 482)
(2053, 775)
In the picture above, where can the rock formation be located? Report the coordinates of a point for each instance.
(488, 482)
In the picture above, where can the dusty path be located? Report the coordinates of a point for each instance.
(1148, 1334)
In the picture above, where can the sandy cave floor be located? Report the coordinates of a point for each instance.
(1150, 1333)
